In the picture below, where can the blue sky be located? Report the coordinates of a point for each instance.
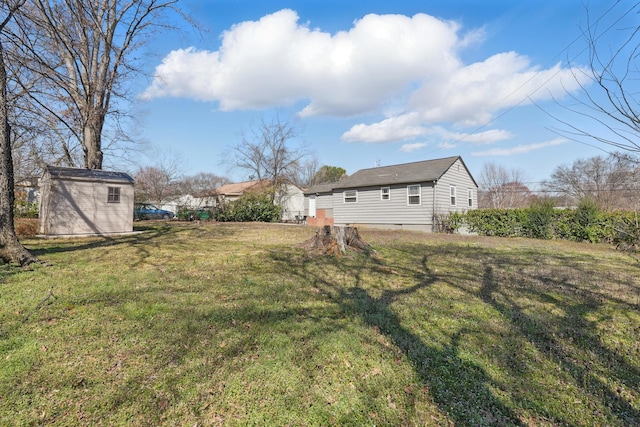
(376, 82)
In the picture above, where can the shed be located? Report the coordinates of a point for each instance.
(85, 202)
(412, 196)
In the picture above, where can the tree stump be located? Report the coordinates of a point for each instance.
(336, 240)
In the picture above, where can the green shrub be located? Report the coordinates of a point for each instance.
(540, 219)
(496, 222)
(252, 206)
(587, 224)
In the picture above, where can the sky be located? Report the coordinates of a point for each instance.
(368, 83)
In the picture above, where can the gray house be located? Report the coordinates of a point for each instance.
(408, 196)
(85, 202)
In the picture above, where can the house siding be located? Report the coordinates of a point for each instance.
(458, 176)
(370, 209)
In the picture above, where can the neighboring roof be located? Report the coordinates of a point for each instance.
(238, 188)
(87, 174)
(325, 187)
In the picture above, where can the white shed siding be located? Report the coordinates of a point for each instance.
(456, 176)
(80, 207)
(371, 209)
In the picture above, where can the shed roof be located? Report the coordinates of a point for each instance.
(87, 174)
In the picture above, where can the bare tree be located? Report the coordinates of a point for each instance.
(306, 173)
(611, 103)
(81, 51)
(11, 250)
(502, 188)
(154, 184)
(270, 152)
(203, 186)
(612, 182)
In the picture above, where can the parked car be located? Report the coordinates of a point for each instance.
(149, 211)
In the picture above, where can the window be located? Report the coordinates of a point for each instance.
(413, 194)
(351, 196)
(453, 195)
(470, 196)
(113, 195)
(385, 193)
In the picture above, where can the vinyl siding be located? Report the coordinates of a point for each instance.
(370, 209)
(323, 201)
(458, 176)
(80, 207)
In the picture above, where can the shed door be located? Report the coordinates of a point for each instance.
(312, 206)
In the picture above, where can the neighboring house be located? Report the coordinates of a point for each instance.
(289, 197)
(233, 191)
(85, 202)
(410, 196)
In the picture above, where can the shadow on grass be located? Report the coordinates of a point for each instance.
(581, 333)
(460, 388)
(148, 234)
(463, 390)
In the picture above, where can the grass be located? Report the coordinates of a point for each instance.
(229, 324)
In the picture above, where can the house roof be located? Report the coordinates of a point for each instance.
(238, 188)
(325, 187)
(406, 173)
(87, 174)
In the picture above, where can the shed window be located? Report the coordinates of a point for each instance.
(470, 197)
(413, 194)
(453, 195)
(113, 195)
(351, 196)
(385, 193)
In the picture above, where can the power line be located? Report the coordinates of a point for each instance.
(565, 49)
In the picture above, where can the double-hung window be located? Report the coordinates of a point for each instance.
(351, 196)
(470, 197)
(113, 195)
(413, 194)
(385, 193)
(452, 191)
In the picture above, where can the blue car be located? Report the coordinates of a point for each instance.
(143, 211)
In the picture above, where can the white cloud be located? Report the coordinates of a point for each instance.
(392, 129)
(276, 61)
(410, 63)
(519, 149)
(408, 148)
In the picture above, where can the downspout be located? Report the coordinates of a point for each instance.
(433, 207)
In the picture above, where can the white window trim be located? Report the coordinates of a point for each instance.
(409, 195)
(470, 197)
(388, 193)
(344, 196)
(453, 198)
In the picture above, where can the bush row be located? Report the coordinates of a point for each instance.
(543, 221)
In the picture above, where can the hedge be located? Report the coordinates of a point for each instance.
(542, 221)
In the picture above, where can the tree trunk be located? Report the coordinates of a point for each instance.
(335, 240)
(11, 250)
(92, 144)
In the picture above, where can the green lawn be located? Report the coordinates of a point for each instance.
(230, 324)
